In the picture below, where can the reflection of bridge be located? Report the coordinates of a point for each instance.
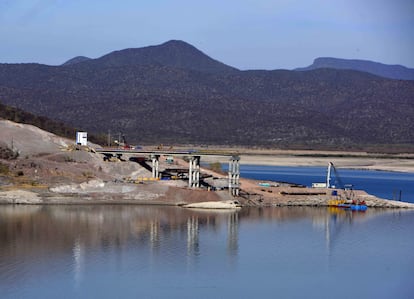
(193, 157)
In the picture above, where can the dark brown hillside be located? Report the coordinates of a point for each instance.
(174, 53)
(323, 108)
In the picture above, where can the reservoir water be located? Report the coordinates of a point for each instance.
(127, 251)
(384, 184)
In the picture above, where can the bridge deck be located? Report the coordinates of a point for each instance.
(164, 152)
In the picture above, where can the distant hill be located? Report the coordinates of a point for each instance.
(189, 103)
(384, 70)
(174, 53)
(76, 59)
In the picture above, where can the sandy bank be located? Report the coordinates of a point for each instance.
(255, 195)
(341, 159)
(100, 192)
(359, 162)
(162, 194)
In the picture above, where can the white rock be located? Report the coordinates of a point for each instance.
(226, 204)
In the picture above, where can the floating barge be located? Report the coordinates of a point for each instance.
(353, 206)
(350, 202)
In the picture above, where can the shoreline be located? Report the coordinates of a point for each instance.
(99, 191)
(341, 159)
(49, 169)
(363, 163)
(160, 194)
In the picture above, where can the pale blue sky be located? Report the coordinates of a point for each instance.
(247, 34)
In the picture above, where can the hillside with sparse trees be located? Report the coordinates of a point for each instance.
(175, 94)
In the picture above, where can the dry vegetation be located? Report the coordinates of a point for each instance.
(163, 96)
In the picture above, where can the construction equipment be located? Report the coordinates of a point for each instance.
(350, 201)
(124, 144)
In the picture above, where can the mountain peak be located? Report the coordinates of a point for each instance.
(76, 60)
(173, 53)
(176, 43)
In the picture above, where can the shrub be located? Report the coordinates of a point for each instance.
(69, 159)
(216, 166)
(4, 169)
(7, 153)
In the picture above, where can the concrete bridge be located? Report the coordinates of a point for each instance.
(194, 158)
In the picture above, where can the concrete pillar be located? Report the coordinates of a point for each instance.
(155, 165)
(190, 173)
(237, 176)
(234, 175)
(197, 178)
(230, 175)
(194, 172)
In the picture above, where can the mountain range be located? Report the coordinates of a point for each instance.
(398, 72)
(173, 93)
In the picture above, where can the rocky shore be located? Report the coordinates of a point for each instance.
(160, 194)
(320, 197)
(111, 193)
(38, 167)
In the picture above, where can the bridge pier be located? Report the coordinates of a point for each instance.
(234, 175)
(194, 172)
(155, 165)
(194, 164)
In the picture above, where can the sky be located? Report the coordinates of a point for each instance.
(247, 34)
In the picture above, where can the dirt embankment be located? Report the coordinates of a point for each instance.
(47, 169)
(284, 195)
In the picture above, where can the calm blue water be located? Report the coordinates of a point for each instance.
(170, 252)
(127, 251)
(383, 184)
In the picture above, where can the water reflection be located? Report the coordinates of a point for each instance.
(30, 234)
(32, 237)
(233, 234)
(37, 230)
(79, 260)
(192, 236)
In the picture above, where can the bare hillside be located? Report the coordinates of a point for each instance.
(42, 158)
